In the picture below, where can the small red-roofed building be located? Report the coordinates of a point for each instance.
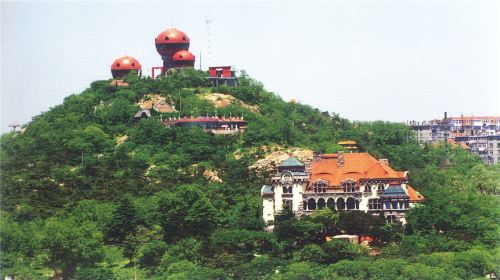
(342, 182)
(222, 75)
(215, 125)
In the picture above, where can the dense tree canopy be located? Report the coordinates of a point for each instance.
(89, 193)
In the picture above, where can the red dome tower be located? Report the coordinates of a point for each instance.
(168, 43)
(182, 59)
(123, 65)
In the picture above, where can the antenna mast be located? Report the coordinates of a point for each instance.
(209, 43)
(14, 126)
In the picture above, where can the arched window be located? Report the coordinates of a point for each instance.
(350, 203)
(330, 203)
(340, 204)
(321, 203)
(380, 187)
(357, 204)
(311, 204)
(368, 188)
(349, 186)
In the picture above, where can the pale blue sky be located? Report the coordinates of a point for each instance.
(366, 60)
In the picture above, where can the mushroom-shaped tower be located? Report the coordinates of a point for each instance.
(183, 59)
(169, 42)
(123, 65)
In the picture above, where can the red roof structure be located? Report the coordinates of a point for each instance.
(123, 65)
(126, 63)
(353, 166)
(171, 41)
(183, 59)
(414, 195)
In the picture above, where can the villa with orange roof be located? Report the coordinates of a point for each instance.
(344, 182)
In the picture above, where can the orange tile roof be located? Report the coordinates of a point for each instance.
(356, 166)
(413, 194)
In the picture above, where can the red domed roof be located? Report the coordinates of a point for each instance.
(172, 36)
(126, 63)
(183, 56)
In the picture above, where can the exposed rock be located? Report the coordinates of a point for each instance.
(212, 175)
(120, 140)
(221, 100)
(273, 159)
(120, 83)
(157, 102)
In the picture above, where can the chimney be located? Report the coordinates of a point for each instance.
(384, 161)
(340, 158)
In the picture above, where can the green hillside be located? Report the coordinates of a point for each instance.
(89, 193)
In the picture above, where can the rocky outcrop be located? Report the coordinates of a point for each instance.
(221, 100)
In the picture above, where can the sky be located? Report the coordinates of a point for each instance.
(364, 60)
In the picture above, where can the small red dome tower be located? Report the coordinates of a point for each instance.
(182, 59)
(168, 43)
(123, 65)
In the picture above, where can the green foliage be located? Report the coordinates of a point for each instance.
(77, 202)
(94, 274)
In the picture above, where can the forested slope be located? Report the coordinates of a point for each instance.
(87, 193)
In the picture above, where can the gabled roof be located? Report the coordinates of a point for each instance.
(394, 191)
(291, 162)
(356, 166)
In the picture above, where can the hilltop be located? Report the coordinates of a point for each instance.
(90, 193)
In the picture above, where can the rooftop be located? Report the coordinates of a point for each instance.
(356, 166)
(290, 162)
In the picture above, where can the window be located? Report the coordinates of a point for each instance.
(368, 188)
(374, 204)
(287, 189)
(166, 38)
(402, 204)
(287, 203)
(349, 186)
(311, 204)
(380, 187)
(394, 204)
(321, 203)
(184, 38)
(391, 219)
(350, 203)
(320, 187)
(330, 203)
(340, 204)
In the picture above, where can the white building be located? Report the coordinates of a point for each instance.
(354, 181)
